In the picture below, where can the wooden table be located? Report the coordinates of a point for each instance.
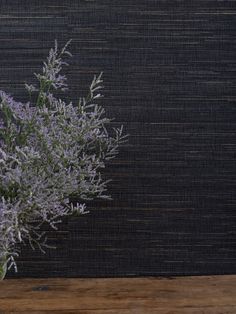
(182, 295)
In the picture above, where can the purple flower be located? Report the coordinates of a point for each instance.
(51, 153)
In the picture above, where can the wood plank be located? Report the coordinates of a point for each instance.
(181, 295)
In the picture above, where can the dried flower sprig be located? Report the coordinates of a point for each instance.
(51, 153)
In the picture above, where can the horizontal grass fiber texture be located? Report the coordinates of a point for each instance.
(170, 75)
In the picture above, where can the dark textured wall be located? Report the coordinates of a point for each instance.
(170, 75)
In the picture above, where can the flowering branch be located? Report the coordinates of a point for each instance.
(51, 153)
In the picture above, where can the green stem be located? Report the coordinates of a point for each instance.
(3, 267)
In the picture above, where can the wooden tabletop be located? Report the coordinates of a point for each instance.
(182, 295)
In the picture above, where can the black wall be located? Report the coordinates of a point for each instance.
(170, 75)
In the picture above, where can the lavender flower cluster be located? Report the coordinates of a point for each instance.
(51, 152)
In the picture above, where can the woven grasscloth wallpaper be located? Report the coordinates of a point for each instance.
(170, 79)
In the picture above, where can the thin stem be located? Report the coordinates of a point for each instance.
(3, 267)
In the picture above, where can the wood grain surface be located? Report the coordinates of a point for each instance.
(170, 77)
(183, 295)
